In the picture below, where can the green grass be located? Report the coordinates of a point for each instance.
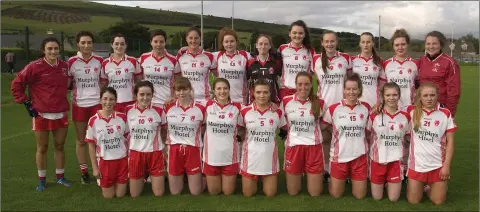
(19, 174)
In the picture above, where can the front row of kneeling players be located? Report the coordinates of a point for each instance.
(356, 129)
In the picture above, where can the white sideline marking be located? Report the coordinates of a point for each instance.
(16, 135)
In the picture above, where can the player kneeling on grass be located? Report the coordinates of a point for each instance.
(431, 147)
(146, 124)
(221, 155)
(46, 79)
(185, 124)
(389, 128)
(260, 150)
(106, 134)
(303, 145)
(348, 152)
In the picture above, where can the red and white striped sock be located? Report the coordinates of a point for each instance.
(83, 168)
(60, 173)
(42, 174)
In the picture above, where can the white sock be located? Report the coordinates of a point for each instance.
(42, 173)
(59, 171)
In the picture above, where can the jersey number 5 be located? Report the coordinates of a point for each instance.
(262, 123)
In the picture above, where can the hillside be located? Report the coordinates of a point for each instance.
(71, 16)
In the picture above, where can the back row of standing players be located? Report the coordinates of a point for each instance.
(242, 69)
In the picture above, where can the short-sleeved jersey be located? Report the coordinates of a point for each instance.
(233, 68)
(260, 150)
(185, 124)
(295, 60)
(428, 144)
(330, 83)
(348, 130)
(196, 67)
(160, 72)
(388, 136)
(120, 76)
(144, 126)
(109, 135)
(220, 139)
(404, 74)
(85, 76)
(269, 70)
(303, 129)
(370, 74)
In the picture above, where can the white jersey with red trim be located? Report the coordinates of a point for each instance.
(348, 130)
(196, 67)
(144, 126)
(330, 84)
(185, 124)
(85, 76)
(388, 135)
(294, 60)
(303, 129)
(109, 135)
(370, 74)
(160, 72)
(120, 76)
(233, 68)
(428, 144)
(404, 74)
(260, 150)
(220, 139)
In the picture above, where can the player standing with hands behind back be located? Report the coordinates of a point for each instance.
(47, 83)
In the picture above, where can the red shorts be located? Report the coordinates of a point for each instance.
(113, 171)
(426, 177)
(358, 169)
(121, 107)
(82, 114)
(184, 159)
(286, 92)
(228, 170)
(252, 176)
(40, 124)
(140, 162)
(391, 172)
(304, 158)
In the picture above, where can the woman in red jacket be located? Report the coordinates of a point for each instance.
(442, 70)
(47, 83)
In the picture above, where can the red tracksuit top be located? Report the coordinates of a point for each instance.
(444, 72)
(47, 86)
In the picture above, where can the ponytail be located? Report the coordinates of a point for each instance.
(417, 112)
(376, 58)
(324, 60)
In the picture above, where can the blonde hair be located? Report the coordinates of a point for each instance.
(418, 111)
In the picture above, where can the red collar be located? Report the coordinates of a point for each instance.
(295, 97)
(344, 103)
(255, 108)
(135, 105)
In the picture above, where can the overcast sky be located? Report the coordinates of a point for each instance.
(418, 18)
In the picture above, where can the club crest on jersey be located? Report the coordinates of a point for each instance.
(400, 126)
(435, 67)
(64, 71)
(150, 119)
(304, 57)
(339, 65)
(96, 70)
(165, 68)
(192, 118)
(374, 68)
(126, 70)
(436, 123)
(202, 64)
(230, 115)
(239, 63)
(409, 70)
(271, 122)
(270, 70)
(361, 116)
(119, 128)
